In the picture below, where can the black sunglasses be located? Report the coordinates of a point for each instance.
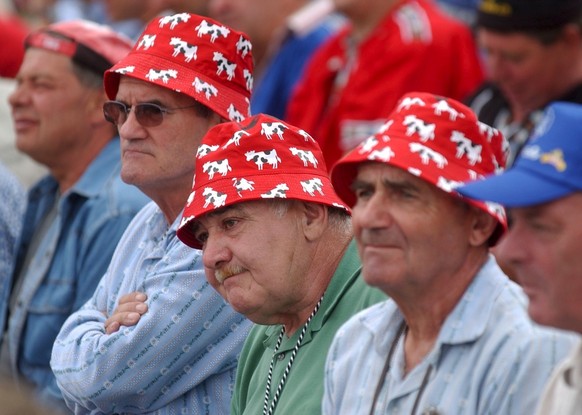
(147, 114)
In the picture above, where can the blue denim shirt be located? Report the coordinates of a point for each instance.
(12, 203)
(92, 216)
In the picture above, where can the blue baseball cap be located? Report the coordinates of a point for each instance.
(549, 166)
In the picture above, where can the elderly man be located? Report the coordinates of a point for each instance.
(533, 55)
(454, 337)
(185, 74)
(276, 244)
(76, 214)
(543, 192)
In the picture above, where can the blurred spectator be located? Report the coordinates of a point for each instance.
(20, 400)
(464, 10)
(391, 47)
(533, 54)
(77, 213)
(13, 30)
(284, 34)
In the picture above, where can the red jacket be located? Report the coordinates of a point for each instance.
(415, 48)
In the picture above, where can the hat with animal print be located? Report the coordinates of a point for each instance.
(260, 158)
(193, 55)
(435, 138)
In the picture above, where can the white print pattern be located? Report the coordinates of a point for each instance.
(262, 157)
(174, 20)
(447, 185)
(306, 156)
(270, 128)
(414, 125)
(204, 28)
(205, 149)
(368, 145)
(384, 155)
(242, 184)
(311, 186)
(234, 114)
(408, 102)
(443, 106)
(217, 166)
(426, 154)
(127, 69)
(146, 42)
(235, 139)
(466, 147)
(279, 191)
(209, 90)
(183, 47)
(223, 64)
(212, 196)
(163, 74)
(243, 46)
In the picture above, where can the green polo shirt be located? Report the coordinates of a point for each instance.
(346, 294)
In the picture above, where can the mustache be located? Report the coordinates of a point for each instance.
(223, 273)
(376, 237)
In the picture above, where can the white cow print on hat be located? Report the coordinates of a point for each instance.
(466, 147)
(224, 65)
(278, 191)
(208, 89)
(242, 184)
(443, 106)
(234, 114)
(174, 20)
(306, 156)
(164, 74)
(216, 166)
(312, 185)
(270, 128)
(205, 149)
(184, 48)
(263, 157)
(426, 154)
(205, 28)
(424, 130)
(217, 199)
(235, 139)
(408, 102)
(146, 42)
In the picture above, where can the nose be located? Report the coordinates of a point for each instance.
(19, 96)
(130, 128)
(510, 251)
(215, 253)
(372, 213)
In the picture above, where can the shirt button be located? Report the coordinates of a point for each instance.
(281, 356)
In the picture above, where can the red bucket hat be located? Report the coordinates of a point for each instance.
(193, 55)
(94, 46)
(437, 139)
(262, 157)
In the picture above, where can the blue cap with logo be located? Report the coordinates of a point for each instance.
(549, 166)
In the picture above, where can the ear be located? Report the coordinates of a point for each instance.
(314, 220)
(483, 226)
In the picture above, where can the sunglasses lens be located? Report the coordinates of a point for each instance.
(149, 115)
(114, 112)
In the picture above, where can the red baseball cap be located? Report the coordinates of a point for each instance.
(94, 46)
(437, 139)
(262, 157)
(193, 55)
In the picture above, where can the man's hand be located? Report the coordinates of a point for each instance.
(128, 312)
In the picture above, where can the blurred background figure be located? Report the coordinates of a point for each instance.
(284, 35)
(463, 10)
(13, 30)
(532, 50)
(390, 47)
(76, 214)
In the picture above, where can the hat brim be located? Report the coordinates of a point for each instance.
(264, 186)
(516, 187)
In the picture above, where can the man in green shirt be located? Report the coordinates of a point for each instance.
(277, 245)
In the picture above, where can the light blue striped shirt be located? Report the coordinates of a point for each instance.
(181, 356)
(489, 357)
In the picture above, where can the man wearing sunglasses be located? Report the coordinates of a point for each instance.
(76, 214)
(156, 337)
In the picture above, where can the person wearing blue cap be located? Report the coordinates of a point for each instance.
(543, 192)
